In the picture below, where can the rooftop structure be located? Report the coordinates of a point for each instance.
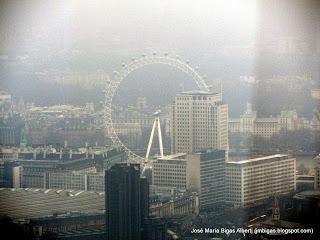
(197, 92)
(35, 203)
(266, 159)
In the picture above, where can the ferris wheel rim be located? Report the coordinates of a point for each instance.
(135, 64)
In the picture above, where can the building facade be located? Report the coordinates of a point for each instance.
(250, 125)
(126, 202)
(252, 181)
(170, 172)
(81, 169)
(186, 204)
(199, 121)
(317, 173)
(206, 176)
(10, 174)
(10, 130)
(74, 180)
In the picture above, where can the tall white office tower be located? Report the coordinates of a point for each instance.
(199, 121)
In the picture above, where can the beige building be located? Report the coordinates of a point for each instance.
(250, 182)
(250, 125)
(206, 176)
(169, 173)
(199, 121)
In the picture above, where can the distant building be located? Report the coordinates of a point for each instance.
(74, 180)
(131, 134)
(289, 120)
(65, 168)
(155, 229)
(142, 104)
(131, 125)
(5, 104)
(250, 125)
(305, 182)
(206, 176)
(315, 94)
(315, 121)
(183, 204)
(11, 175)
(10, 131)
(199, 122)
(38, 203)
(58, 123)
(307, 206)
(250, 182)
(126, 202)
(75, 225)
(317, 173)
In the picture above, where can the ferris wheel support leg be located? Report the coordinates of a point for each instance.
(160, 137)
(150, 140)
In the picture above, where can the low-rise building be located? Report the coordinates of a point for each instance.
(29, 203)
(66, 168)
(184, 204)
(74, 180)
(251, 181)
(305, 182)
(169, 172)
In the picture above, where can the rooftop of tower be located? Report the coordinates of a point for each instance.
(198, 92)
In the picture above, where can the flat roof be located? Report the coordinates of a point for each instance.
(173, 156)
(234, 120)
(28, 203)
(309, 194)
(198, 92)
(258, 159)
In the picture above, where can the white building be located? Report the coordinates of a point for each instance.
(250, 182)
(199, 121)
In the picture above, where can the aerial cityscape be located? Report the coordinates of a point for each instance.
(160, 120)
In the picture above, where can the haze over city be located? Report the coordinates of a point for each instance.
(210, 108)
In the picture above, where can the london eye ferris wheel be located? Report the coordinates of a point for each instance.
(113, 84)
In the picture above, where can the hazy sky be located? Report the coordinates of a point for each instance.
(226, 39)
(117, 25)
